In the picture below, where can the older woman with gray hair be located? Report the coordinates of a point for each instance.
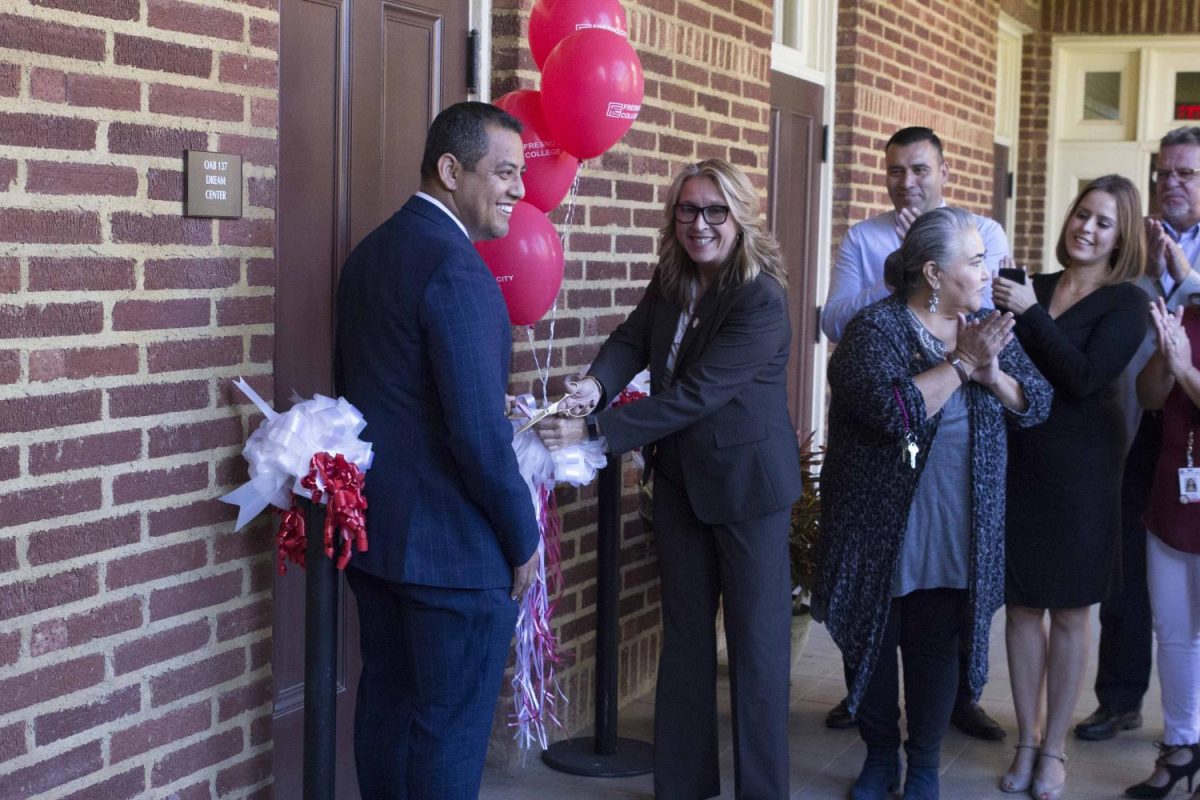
(923, 387)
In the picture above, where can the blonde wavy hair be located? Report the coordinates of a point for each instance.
(755, 251)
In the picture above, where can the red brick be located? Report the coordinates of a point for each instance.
(184, 597)
(255, 150)
(261, 730)
(192, 273)
(182, 101)
(10, 366)
(255, 539)
(264, 112)
(62, 543)
(21, 33)
(149, 484)
(10, 463)
(152, 54)
(195, 18)
(160, 647)
(245, 311)
(58, 769)
(47, 177)
(262, 349)
(248, 232)
(51, 319)
(112, 9)
(48, 502)
(10, 80)
(62, 588)
(48, 84)
(247, 619)
(10, 275)
(197, 791)
(196, 757)
(88, 451)
(8, 173)
(60, 724)
(39, 685)
(83, 362)
(197, 677)
(81, 273)
(195, 437)
(94, 91)
(164, 184)
(148, 140)
(177, 724)
(247, 71)
(230, 395)
(30, 226)
(133, 228)
(157, 398)
(264, 33)
(194, 354)
(49, 411)
(262, 192)
(10, 650)
(99, 623)
(176, 559)
(12, 741)
(230, 472)
(144, 315)
(45, 131)
(259, 272)
(126, 786)
(246, 773)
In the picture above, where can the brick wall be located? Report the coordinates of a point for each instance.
(134, 626)
(707, 69)
(913, 63)
(1065, 17)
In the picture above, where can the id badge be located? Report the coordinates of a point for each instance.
(1189, 484)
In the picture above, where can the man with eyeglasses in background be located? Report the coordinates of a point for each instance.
(1173, 239)
(917, 174)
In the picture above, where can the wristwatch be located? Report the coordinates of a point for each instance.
(593, 427)
(953, 360)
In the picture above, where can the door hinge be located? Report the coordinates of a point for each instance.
(473, 62)
(1009, 185)
(824, 143)
(817, 332)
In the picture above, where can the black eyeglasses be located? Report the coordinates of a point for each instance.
(1184, 174)
(713, 215)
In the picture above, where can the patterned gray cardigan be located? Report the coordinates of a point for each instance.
(867, 488)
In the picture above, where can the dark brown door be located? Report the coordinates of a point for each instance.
(1002, 183)
(360, 81)
(793, 214)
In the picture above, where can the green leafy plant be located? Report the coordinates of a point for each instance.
(806, 519)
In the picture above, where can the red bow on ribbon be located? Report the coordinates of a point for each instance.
(343, 482)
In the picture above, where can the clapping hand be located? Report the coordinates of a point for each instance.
(1171, 338)
(979, 344)
(905, 217)
(1163, 253)
(1016, 297)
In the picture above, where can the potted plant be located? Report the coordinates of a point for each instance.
(802, 543)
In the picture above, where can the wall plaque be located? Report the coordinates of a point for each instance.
(214, 185)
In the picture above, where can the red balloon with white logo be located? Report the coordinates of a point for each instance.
(527, 263)
(551, 170)
(592, 90)
(551, 21)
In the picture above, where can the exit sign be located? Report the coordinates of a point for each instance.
(1187, 111)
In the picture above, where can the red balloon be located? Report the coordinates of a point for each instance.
(551, 21)
(592, 91)
(527, 263)
(551, 170)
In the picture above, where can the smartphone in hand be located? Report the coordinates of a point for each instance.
(1014, 274)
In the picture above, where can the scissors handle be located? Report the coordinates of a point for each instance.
(541, 414)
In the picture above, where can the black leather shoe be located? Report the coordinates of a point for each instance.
(974, 721)
(839, 717)
(1106, 723)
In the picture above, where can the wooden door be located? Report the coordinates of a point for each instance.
(360, 81)
(793, 214)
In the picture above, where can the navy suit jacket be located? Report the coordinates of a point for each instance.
(423, 348)
(719, 424)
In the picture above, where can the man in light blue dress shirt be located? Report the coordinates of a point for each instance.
(916, 175)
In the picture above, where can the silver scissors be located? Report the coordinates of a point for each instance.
(542, 413)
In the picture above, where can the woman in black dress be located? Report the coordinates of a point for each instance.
(1080, 327)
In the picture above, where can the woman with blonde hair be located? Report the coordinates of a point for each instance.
(1081, 327)
(713, 328)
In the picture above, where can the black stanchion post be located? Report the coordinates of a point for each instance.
(605, 755)
(320, 660)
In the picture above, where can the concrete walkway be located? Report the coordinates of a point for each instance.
(824, 762)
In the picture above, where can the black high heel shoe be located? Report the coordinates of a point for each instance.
(1146, 791)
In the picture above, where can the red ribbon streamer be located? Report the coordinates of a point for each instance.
(344, 518)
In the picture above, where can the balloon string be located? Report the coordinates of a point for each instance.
(544, 373)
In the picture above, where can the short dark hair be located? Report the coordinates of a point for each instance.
(906, 136)
(1188, 134)
(462, 131)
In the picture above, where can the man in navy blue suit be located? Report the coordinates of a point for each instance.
(423, 347)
